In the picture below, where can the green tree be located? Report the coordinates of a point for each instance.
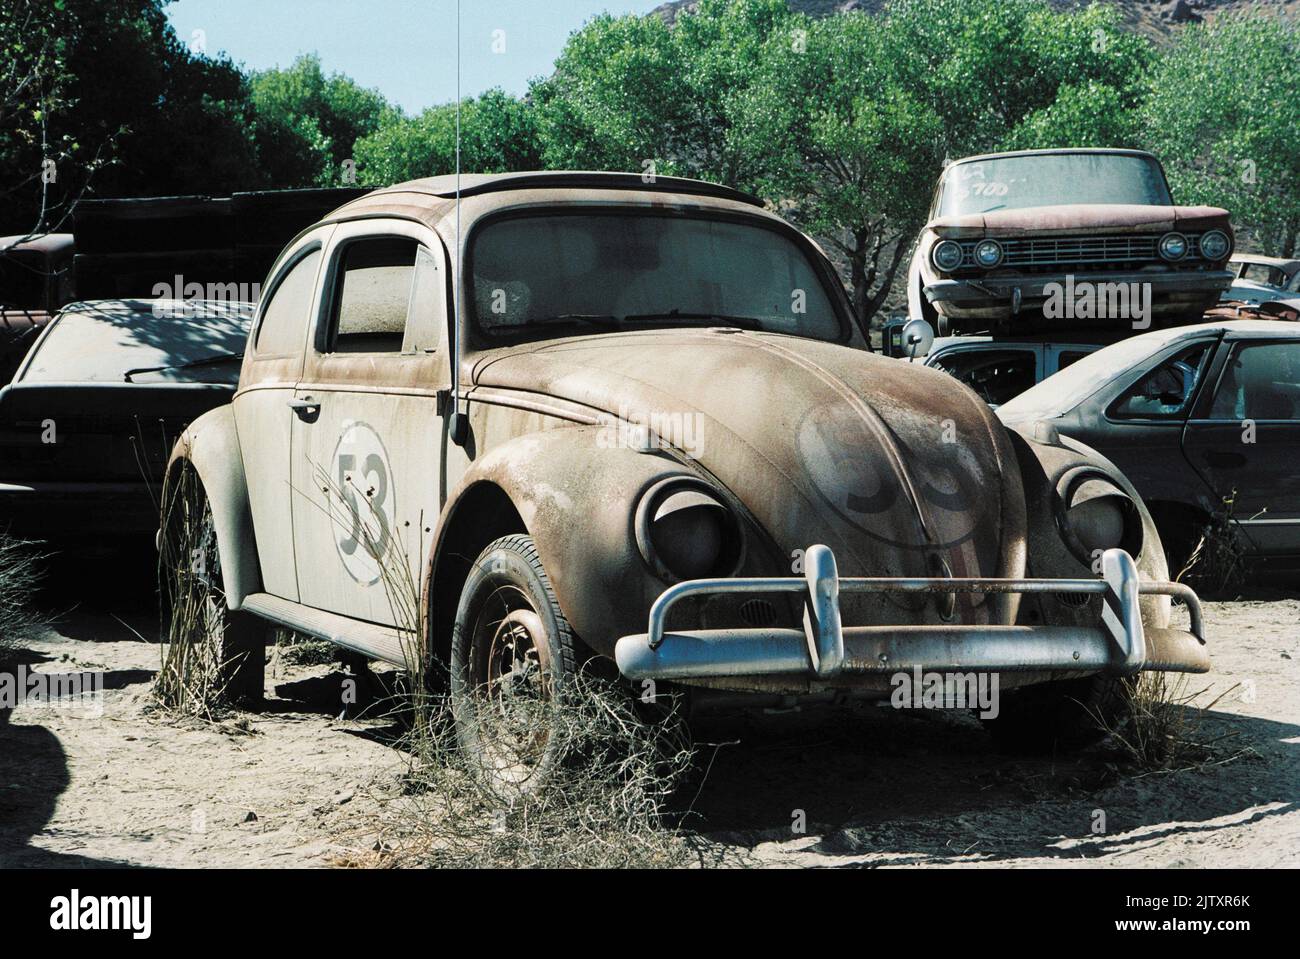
(846, 150)
(107, 89)
(307, 123)
(630, 91)
(1223, 114)
(498, 134)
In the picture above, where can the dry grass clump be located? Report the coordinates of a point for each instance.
(1165, 729)
(605, 805)
(192, 676)
(1220, 562)
(20, 575)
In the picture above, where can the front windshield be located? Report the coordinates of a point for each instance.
(553, 274)
(1046, 179)
(1065, 390)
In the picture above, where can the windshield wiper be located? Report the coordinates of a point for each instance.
(744, 322)
(192, 364)
(601, 321)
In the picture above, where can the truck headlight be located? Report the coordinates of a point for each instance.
(947, 255)
(685, 531)
(988, 253)
(1173, 246)
(1215, 245)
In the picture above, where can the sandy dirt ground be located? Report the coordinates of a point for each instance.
(297, 783)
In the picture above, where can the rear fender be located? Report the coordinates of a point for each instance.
(210, 446)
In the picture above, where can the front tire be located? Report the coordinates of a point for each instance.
(1061, 716)
(513, 659)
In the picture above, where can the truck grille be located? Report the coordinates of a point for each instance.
(1039, 253)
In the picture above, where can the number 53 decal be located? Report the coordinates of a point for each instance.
(363, 527)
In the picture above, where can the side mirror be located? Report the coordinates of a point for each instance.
(458, 427)
(918, 337)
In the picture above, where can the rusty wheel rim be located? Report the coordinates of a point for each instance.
(512, 685)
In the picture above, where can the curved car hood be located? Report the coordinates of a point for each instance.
(1073, 217)
(888, 463)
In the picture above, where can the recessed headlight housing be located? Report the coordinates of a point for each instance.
(947, 255)
(1173, 247)
(988, 253)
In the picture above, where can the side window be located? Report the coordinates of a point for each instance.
(374, 288)
(1166, 391)
(996, 375)
(426, 311)
(284, 320)
(1261, 381)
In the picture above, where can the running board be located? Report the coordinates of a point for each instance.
(369, 639)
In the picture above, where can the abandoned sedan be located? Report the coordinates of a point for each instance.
(634, 421)
(88, 423)
(1056, 239)
(1205, 421)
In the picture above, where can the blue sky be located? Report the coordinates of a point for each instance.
(404, 48)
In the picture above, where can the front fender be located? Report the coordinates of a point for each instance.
(1045, 456)
(210, 446)
(576, 498)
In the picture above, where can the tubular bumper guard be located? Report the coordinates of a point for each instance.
(825, 648)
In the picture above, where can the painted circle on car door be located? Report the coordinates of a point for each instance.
(362, 501)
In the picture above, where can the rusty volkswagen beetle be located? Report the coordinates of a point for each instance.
(584, 415)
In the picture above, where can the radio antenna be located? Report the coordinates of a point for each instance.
(457, 423)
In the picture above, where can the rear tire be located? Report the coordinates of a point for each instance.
(513, 659)
(1061, 716)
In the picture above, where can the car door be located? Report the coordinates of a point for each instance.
(1245, 441)
(1138, 425)
(367, 434)
(272, 364)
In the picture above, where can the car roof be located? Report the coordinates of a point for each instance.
(1118, 151)
(1236, 327)
(1278, 261)
(428, 199)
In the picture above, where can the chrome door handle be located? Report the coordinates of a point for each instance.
(306, 408)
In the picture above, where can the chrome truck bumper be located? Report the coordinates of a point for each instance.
(825, 648)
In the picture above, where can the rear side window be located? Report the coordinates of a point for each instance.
(1260, 382)
(996, 375)
(1166, 391)
(284, 320)
(372, 298)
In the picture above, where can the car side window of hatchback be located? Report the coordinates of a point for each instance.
(1261, 381)
(373, 284)
(284, 320)
(1165, 391)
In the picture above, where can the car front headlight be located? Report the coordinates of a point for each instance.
(685, 531)
(947, 255)
(1096, 515)
(1215, 245)
(1173, 246)
(988, 253)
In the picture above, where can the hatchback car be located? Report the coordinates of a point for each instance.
(580, 415)
(1011, 234)
(1195, 417)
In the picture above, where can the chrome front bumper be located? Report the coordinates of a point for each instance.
(825, 648)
